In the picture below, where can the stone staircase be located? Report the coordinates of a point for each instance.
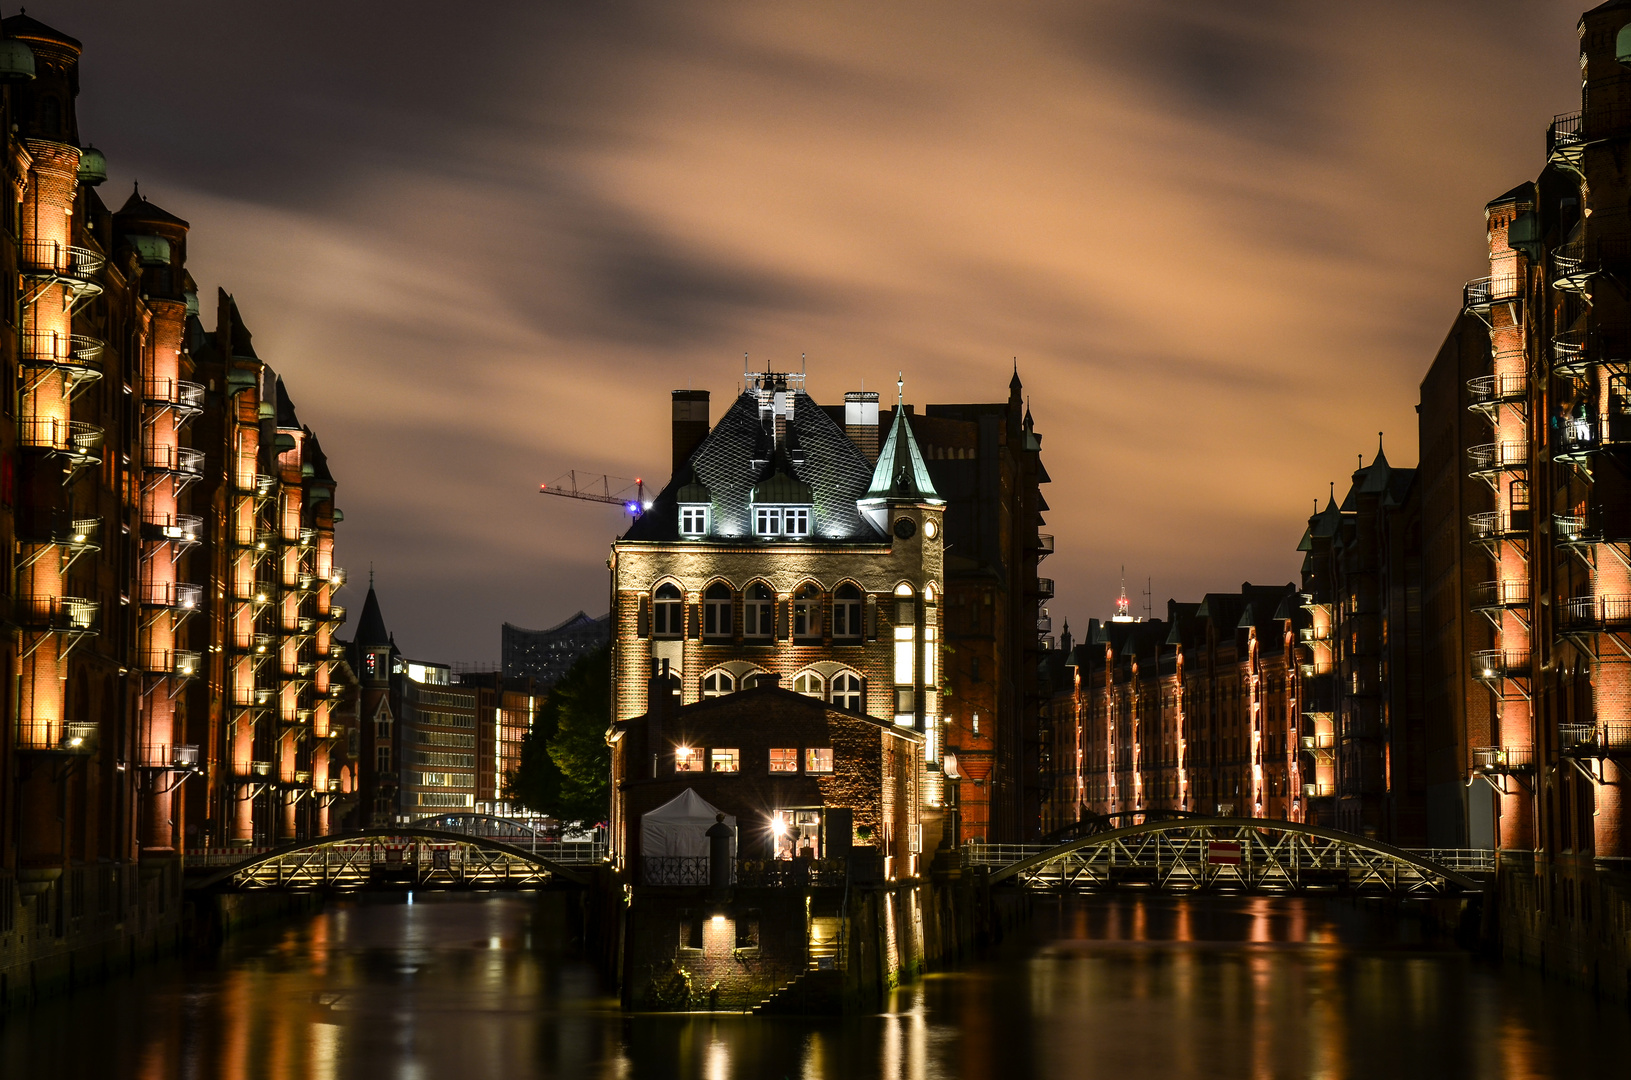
(811, 992)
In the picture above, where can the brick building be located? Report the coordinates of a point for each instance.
(1197, 712)
(167, 525)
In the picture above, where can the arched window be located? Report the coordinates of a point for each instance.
(50, 116)
(846, 612)
(759, 611)
(807, 612)
(669, 610)
(718, 684)
(716, 611)
(846, 691)
(809, 684)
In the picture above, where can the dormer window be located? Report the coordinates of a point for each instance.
(796, 521)
(767, 520)
(781, 520)
(693, 521)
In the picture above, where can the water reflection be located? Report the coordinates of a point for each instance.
(1125, 987)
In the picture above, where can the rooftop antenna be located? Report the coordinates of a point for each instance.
(1149, 599)
(900, 387)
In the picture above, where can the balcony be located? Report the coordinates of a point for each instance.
(1571, 271)
(1494, 665)
(1594, 614)
(334, 614)
(79, 738)
(1500, 760)
(74, 268)
(1497, 457)
(183, 530)
(186, 398)
(184, 757)
(1594, 740)
(1044, 588)
(1573, 529)
(1480, 294)
(1044, 624)
(60, 614)
(302, 777)
(1488, 392)
(179, 664)
(260, 768)
(56, 527)
(336, 576)
(1319, 742)
(79, 442)
(1500, 595)
(180, 461)
(252, 696)
(1043, 546)
(173, 595)
(77, 356)
(1566, 140)
(1499, 525)
(1310, 634)
(1319, 791)
(307, 538)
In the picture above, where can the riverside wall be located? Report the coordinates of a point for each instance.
(1570, 917)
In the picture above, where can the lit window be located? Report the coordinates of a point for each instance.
(809, 684)
(687, 759)
(669, 620)
(693, 520)
(796, 522)
(767, 521)
(818, 759)
(807, 612)
(784, 760)
(716, 611)
(846, 691)
(846, 612)
(724, 761)
(759, 611)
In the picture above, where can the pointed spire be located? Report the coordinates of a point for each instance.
(900, 472)
(1014, 385)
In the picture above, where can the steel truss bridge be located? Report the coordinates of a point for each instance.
(395, 856)
(1234, 854)
(517, 833)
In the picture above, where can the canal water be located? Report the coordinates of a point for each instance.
(1128, 987)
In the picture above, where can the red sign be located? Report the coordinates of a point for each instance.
(1223, 852)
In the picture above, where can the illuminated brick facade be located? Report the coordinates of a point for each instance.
(167, 528)
(779, 551)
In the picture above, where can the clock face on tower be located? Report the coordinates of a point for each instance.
(905, 528)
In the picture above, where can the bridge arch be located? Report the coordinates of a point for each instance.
(424, 858)
(1256, 854)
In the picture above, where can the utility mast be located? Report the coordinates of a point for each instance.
(630, 494)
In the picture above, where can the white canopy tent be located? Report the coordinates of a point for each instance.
(680, 827)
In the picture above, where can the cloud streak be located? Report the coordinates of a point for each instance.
(1224, 242)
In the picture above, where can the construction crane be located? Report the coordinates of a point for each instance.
(599, 489)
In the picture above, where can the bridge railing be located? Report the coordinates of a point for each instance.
(1463, 860)
(573, 853)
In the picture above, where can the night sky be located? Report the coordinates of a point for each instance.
(482, 242)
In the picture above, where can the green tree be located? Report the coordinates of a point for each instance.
(566, 766)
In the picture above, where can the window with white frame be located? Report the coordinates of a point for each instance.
(767, 520)
(718, 684)
(759, 611)
(693, 520)
(846, 691)
(807, 612)
(846, 612)
(809, 684)
(716, 611)
(796, 521)
(668, 610)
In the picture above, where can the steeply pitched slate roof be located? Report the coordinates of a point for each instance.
(25, 26)
(371, 624)
(286, 417)
(835, 469)
(900, 472)
(139, 209)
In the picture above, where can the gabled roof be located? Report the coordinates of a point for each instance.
(739, 454)
(285, 407)
(900, 472)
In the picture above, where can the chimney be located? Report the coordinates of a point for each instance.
(659, 705)
(861, 421)
(690, 424)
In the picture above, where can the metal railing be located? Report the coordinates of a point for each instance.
(173, 594)
(1479, 293)
(1602, 737)
(173, 459)
(51, 258)
(1595, 612)
(180, 663)
(49, 348)
(1492, 664)
(1502, 759)
(1314, 633)
(1319, 741)
(1319, 791)
(1569, 267)
(1571, 528)
(62, 614)
(1500, 594)
(72, 437)
(1567, 134)
(176, 393)
(176, 528)
(1497, 456)
(79, 736)
(1494, 389)
(1044, 587)
(1492, 524)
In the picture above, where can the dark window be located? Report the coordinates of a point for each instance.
(807, 612)
(716, 610)
(669, 611)
(846, 612)
(759, 611)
